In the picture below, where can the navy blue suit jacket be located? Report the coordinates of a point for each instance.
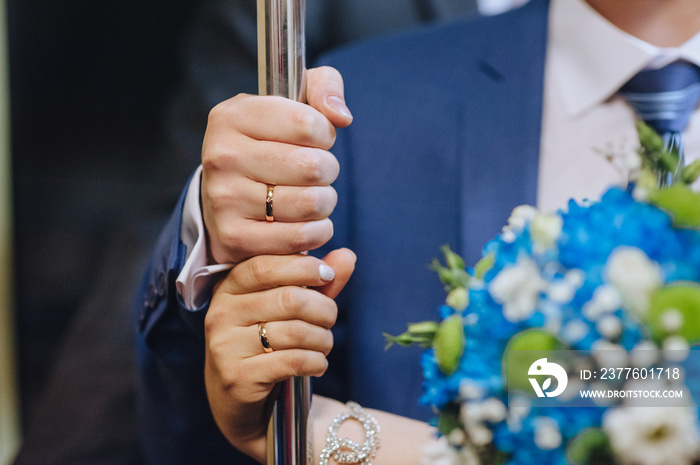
(444, 144)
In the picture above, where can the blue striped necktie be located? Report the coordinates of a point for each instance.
(664, 99)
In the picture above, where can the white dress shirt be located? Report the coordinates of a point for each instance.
(588, 60)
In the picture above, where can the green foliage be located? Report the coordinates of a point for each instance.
(421, 333)
(654, 154)
(454, 274)
(518, 354)
(683, 298)
(591, 447)
(449, 419)
(484, 266)
(449, 344)
(691, 173)
(681, 203)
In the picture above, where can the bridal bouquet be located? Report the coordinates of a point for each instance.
(571, 341)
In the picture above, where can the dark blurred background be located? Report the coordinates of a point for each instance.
(109, 103)
(89, 82)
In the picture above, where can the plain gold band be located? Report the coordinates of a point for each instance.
(262, 332)
(268, 204)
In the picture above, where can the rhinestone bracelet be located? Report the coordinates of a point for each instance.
(345, 450)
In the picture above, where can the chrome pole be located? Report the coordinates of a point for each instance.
(281, 66)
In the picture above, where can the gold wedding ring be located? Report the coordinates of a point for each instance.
(262, 332)
(268, 204)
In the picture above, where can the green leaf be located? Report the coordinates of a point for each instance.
(648, 138)
(453, 260)
(518, 354)
(421, 333)
(691, 172)
(681, 203)
(454, 275)
(449, 419)
(449, 344)
(484, 265)
(590, 447)
(653, 152)
(683, 297)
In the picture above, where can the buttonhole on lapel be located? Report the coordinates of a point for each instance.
(490, 71)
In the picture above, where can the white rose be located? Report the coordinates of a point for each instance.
(632, 273)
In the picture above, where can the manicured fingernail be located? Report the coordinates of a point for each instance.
(327, 273)
(339, 105)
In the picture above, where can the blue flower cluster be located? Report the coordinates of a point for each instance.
(590, 232)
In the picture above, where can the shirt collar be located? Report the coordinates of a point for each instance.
(590, 58)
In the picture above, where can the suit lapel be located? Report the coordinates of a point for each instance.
(502, 121)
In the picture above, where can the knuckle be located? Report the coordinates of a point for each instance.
(229, 239)
(212, 321)
(300, 240)
(328, 343)
(260, 272)
(230, 380)
(304, 123)
(297, 362)
(331, 314)
(218, 113)
(319, 365)
(219, 156)
(225, 112)
(312, 202)
(296, 333)
(311, 166)
(292, 298)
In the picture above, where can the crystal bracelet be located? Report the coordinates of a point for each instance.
(345, 450)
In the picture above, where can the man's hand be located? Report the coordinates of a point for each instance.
(239, 373)
(252, 142)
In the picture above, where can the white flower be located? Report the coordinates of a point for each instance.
(561, 292)
(471, 319)
(491, 409)
(470, 390)
(457, 437)
(605, 299)
(653, 436)
(608, 354)
(468, 456)
(574, 331)
(519, 217)
(475, 414)
(634, 275)
(479, 434)
(675, 348)
(439, 452)
(575, 278)
(609, 326)
(517, 288)
(672, 320)
(547, 434)
(518, 409)
(546, 229)
(644, 354)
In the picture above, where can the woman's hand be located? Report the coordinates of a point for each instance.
(292, 295)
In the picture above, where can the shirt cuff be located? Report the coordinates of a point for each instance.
(196, 278)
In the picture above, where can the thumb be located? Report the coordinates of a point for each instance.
(325, 92)
(343, 263)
